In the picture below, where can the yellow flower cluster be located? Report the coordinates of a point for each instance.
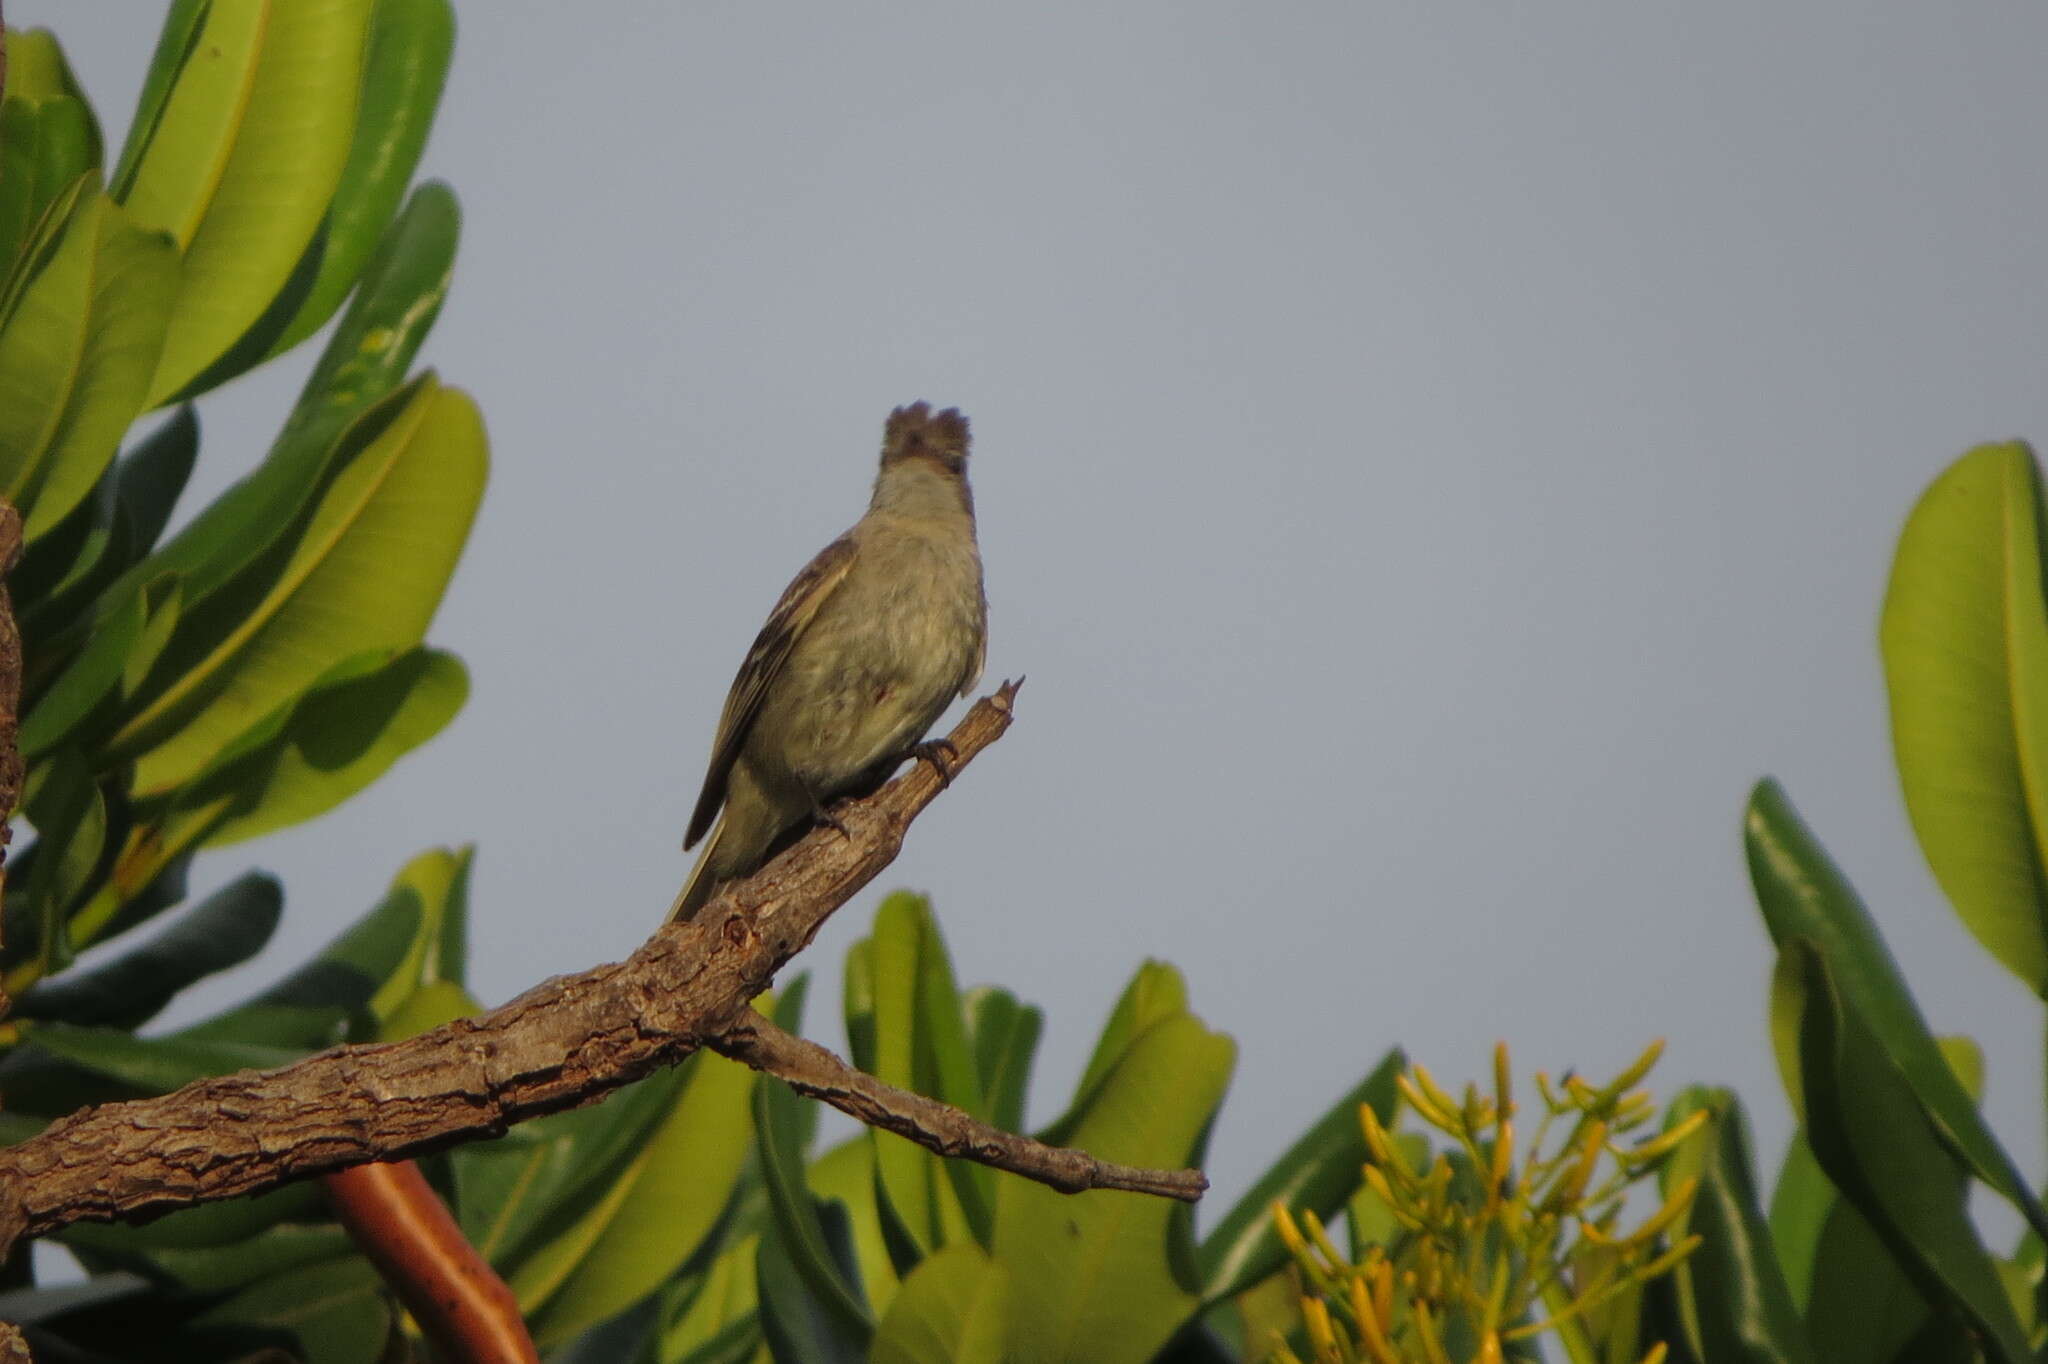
(1486, 1246)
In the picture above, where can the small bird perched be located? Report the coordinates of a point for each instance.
(866, 648)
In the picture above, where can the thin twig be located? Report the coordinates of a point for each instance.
(813, 1070)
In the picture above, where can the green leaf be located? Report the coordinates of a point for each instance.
(1732, 1296)
(1803, 894)
(112, 663)
(358, 979)
(921, 1044)
(70, 816)
(1092, 1275)
(673, 1193)
(223, 930)
(1005, 1034)
(1320, 1171)
(154, 1065)
(846, 1175)
(796, 1323)
(1873, 1139)
(1799, 1210)
(1965, 641)
(363, 365)
(367, 574)
(242, 162)
(45, 144)
(407, 65)
(335, 1310)
(953, 1309)
(75, 358)
(337, 739)
(1156, 993)
(513, 1194)
(780, 1123)
(223, 1268)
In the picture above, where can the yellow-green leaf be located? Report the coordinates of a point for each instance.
(366, 574)
(661, 1208)
(953, 1309)
(75, 358)
(1090, 1274)
(243, 159)
(1965, 642)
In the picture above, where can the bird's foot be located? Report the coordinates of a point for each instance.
(941, 754)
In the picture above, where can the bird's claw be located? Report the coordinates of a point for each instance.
(941, 754)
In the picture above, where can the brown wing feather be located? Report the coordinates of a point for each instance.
(798, 607)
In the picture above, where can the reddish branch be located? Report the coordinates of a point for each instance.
(561, 1044)
(460, 1303)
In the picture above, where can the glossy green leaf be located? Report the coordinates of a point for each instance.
(223, 930)
(338, 739)
(335, 1311)
(1732, 1297)
(781, 1123)
(364, 363)
(921, 1045)
(953, 1309)
(154, 1065)
(223, 1268)
(70, 816)
(795, 1321)
(112, 663)
(675, 1189)
(1872, 1137)
(1965, 641)
(1799, 1210)
(367, 573)
(45, 145)
(1803, 894)
(1005, 1035)
(1156, 993)
(846, 1175)
(243, 160)
(358, 978)
(513, 1194)
(407, 65)
(1092, 1275)
(75, 357)
(1320, 1171)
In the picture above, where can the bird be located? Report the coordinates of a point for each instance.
(867, 647)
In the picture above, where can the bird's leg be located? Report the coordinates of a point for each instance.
(822, 815)
(941, 754)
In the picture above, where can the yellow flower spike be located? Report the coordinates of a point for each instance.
(1319, 1237)
(1503, 1158)
(1443, 1102)
(1426, 1331)
(1424, 1103)
(1383, 1294)
(1290, 1234)
(1629, 1078)
(1674, 1208)
(1317, 1317)
(1664, 1142)
(1503, 1083)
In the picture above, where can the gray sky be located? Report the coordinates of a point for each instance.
(1431, 459)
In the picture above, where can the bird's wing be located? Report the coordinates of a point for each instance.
(786, 624)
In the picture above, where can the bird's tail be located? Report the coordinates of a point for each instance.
(698, 888)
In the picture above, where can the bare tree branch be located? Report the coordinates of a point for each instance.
(811, 1069)
(562, 1044)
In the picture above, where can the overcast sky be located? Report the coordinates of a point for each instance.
(1431, 460)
